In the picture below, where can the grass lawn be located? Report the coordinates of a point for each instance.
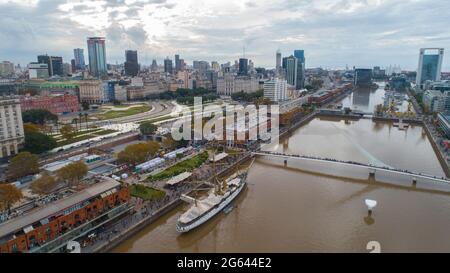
(124, 113)
(146, 193)
(184, 166)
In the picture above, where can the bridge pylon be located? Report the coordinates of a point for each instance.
(372, 173)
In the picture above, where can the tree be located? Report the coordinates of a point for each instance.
(86, 115)
(43, 185)
(23, 164)
(148, 128)
(38, 143)
(38, 116)
(169, 143)
(138, 153)
(75, 121)
(30, 128)
(153, 147)
(67, 132)
(9, 194)
(85, 105)
(73, 173)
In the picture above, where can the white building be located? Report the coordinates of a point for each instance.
(6, 69)
(435, 100)
(92, 91)
(229, 84)
(276, 90)
(37, 71)
(11, 125)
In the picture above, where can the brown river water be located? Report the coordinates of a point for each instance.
(318, 207)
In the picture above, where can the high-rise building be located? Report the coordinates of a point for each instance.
(168, 66)
(97, 56)
(300, 56)
(200, 66)
(131, 63)
(291, 70)
(6, 69)
(54, 64)
(275, 90)
(154, 66)
(243, 66)
(72, 64)
(78, 54)
(363, 77)
(177, 63)
(11, 125)
(278, 61)
(430, 65)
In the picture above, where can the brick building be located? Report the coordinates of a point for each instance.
(58, 105)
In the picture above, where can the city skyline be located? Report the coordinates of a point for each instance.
(332, 33)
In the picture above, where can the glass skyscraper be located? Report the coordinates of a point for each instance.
(78, 54)
(429, 65)
(97, 56)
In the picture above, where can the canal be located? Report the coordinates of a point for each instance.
(320, 208)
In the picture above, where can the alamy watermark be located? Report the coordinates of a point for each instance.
(230, 123)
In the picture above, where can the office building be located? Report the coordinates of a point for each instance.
(300, 56)
(275, 90)
(363, 77)
(131, 63)
(229, 84)
(278, 61)
(6, 69)
(168, 66)
(11, 125)
(430, 65)
(177, 63)
(243, 67)
(91, 91)
(291, 70)
(79, 59)
(154, 66)
(38, 71)
(54, 64)
(97, 56)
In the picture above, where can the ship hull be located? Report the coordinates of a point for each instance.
(213, 212)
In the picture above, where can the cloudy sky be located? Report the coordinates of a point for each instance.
(333, 33)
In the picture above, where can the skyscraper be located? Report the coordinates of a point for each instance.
(54, 64)
(243, 66)
(97, 56)
(430, 65)
(177, 63)
(78, 54)
(300, 56)
(154, 66)
(131, 63)
(278, 61)
(168, 66)
(291, 70)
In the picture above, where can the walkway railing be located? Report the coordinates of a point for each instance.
(355, 164)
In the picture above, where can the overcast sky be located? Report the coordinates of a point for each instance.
(333, 33)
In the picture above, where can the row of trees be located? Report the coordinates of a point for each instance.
(138, 153)
(248, 97)
(71, 174)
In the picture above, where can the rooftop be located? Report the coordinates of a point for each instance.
(44, 212)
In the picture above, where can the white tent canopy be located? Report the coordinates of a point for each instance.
(179, 178)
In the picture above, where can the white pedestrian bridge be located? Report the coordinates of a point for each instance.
(371, 168)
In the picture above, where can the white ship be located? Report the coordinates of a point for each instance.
(203, 210)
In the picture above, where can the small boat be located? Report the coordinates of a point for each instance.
(228, 209)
